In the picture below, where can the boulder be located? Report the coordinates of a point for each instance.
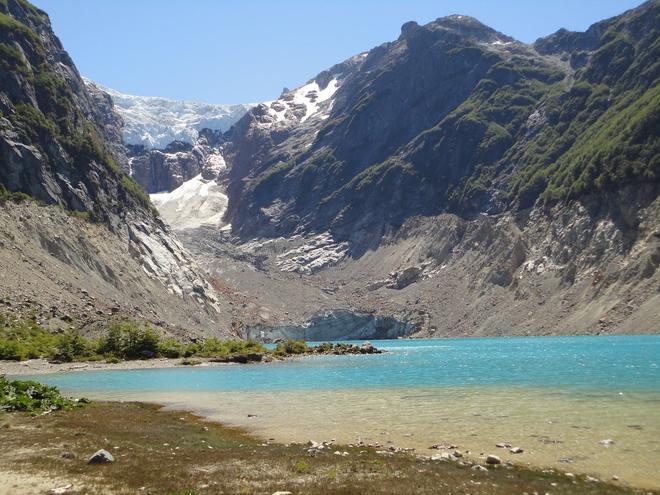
(101, 457)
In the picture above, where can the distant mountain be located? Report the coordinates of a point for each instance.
(155, 122)
(452, 117)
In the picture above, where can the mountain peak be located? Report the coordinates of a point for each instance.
(463, 26)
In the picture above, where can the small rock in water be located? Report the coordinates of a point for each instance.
(503, 445)
(493, 459)
(101, 457)
(607, 441)
(478, 467)
(516, 450)
(67, 455)
(615, 477)
(61, 490)
(282, 493)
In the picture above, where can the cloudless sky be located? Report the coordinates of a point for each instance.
(239, 51)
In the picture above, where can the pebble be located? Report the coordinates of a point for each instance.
(607, 441)
(478, 467)
(516, 450)
(493, 459)
(282, 493)
(61, 489)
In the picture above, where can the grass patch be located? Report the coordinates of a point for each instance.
(168, 452)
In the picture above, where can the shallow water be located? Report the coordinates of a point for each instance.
(556, 398)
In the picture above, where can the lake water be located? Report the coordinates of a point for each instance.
(555, 397)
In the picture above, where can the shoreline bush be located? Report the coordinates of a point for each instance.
(123, 340)
(33, 397)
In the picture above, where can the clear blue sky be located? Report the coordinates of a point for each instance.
(235, 51)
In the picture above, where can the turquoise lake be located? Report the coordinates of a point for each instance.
(580, 404)
(599, 364)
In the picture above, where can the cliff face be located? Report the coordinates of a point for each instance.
(59, 145)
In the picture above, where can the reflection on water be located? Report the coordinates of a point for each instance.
(556, 398)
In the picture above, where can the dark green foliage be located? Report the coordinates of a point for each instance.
(127, 339)
(291, 346)
(223, 348)
(72, 347)
(33, 397)
(25, 340)
(16, 197)
(124, 339)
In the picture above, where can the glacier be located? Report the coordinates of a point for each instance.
(155, 122)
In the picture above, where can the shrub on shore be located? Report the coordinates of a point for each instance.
(291, 346)
(33, 397)
(123, 340)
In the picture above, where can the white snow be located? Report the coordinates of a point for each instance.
(194, 203)
(310, 95)
(155, 122)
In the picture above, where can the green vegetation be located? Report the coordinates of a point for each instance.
(302, 467)
(123, 340)
(33, 397)
(291, 346)
(16, 197)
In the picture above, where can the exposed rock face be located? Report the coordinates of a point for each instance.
(334, 325)
(54, 146)
(163, 170)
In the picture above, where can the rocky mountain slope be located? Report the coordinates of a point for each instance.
(457, 181)
(452, 182)
(155, 122)
(454, 116)
(85, 226)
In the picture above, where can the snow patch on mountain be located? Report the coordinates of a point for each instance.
(299, 105)
(154, 122)
(194, 203)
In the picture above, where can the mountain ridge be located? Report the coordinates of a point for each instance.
(451, 182)
(59, 157)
